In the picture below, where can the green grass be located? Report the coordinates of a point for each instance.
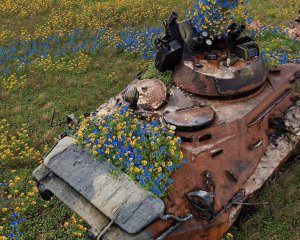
(275, 12)
(33, 104)
(279, 219)
(152, 72)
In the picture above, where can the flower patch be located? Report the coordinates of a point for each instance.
(146, 150)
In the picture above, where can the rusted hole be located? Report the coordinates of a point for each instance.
(216, 152)
(205, 137)
(187, 139)
(274, 70)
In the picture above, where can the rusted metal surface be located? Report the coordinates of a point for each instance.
(237, 124)
(191, 119)
(214, 79)
(228, 161)
(241, 161)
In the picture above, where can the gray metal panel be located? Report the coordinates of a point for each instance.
(118, 197)
(40, 172)
(97, 220)
(76, 202)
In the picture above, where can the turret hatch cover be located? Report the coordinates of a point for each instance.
(191, 118)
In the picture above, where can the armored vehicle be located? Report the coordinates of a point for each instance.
(238, 121)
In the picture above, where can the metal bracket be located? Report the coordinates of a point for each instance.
(179, 221)
(255, 145)
(105, 230)
(176, 218)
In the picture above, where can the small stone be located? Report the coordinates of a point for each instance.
(131, 95)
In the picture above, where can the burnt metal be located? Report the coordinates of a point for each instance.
(241, 81)
(191, 118)
(203, 202)
(209, 79)
(270, 108)
(245, 79)
(230, 175)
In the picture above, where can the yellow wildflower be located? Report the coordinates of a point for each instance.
(144, 162)
(229, 235)
(17, 178)
(66, 224)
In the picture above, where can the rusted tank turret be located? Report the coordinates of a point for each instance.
(238, 122)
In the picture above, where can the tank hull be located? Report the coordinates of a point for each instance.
(230, 160)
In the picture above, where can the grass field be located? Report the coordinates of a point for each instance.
(86, 59)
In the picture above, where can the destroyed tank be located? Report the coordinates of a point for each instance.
(238, 121)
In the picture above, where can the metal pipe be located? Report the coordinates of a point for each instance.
(177, 219)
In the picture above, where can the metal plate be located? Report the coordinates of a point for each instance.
(118, 197)
(191, 118)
